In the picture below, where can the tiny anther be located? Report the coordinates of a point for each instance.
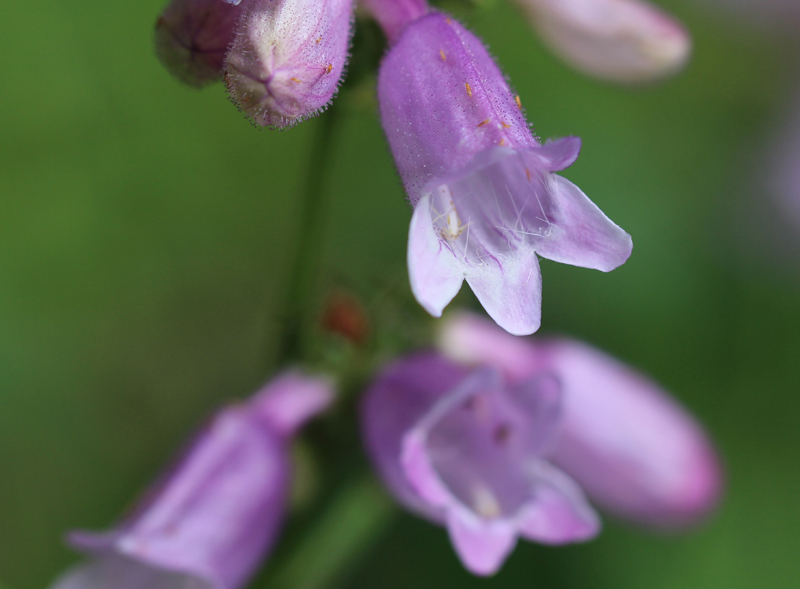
(442, 55)
(329, 68)
(484, 123)
(318, 40)
(469, 90)
(502, 142)
(518, 101)
(449, 20)
(528, 174)
(505, 125)
(295, 80)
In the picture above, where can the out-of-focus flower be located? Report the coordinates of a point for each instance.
(485, 199)
(785, 175)
(210, 520)
(192, 38)
(288, 57)
(618, 40)
(633, 449)
(466, 451)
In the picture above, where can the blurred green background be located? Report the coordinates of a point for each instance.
(144, 239)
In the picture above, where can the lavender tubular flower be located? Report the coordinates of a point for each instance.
(287, 59)
(617, 40)
(485, 199)
(208, 522)
(633, 449)
(192, 38)
(466, 451)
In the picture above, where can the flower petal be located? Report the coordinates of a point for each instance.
(540, 398)
(560, 513)
(291, 399)
(581, 234)
(434, 273)
(560, 153)
(510, 292)
(481, 545)
(421, 473)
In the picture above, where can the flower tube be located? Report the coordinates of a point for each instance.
(288, 57)
(486, 200)
(211, 519)
(617, 40)
(467, 451)
(633, 449)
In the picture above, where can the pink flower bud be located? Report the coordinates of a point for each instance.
(618, 40)
(287, 59)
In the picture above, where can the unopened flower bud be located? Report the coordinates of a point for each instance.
(287, 59)
(345, 316)
(192, 38)
(617, 40)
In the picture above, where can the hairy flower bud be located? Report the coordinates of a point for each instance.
(211, 519)
(287, 59)
(192, 38)
(617, 40)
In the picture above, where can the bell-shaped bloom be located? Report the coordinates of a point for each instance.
(288, 57)
(485, 199)
(209, 521)
(617, 40)
(467, 451)
(192, 38)
(633, 449)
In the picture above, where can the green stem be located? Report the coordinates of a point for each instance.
(304, 269)
(335, 543)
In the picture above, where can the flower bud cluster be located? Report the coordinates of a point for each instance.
(282, 60)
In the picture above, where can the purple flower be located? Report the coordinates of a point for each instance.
(192, 38)
(211, 519)
(468, 452)
(633, 449)
(485, 199)
(288, 57)
(618, 40)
